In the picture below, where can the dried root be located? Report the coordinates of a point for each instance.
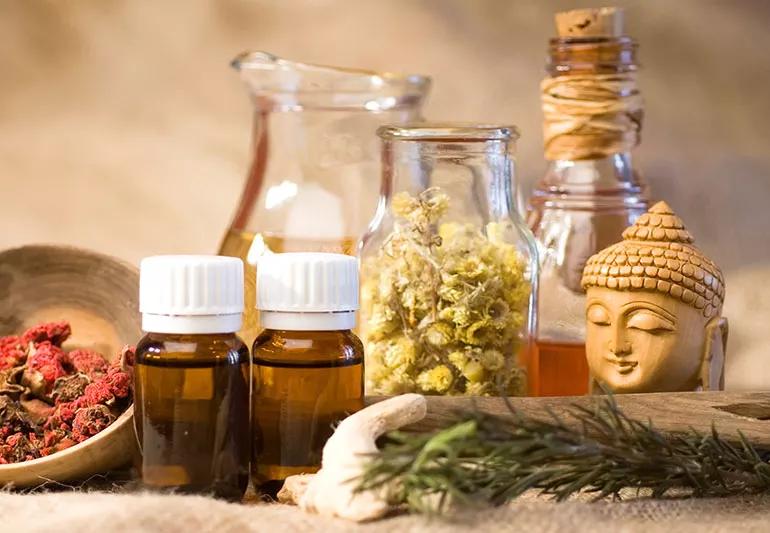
(331, 492)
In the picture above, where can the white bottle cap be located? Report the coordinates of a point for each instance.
(307, 291)
(191, 294)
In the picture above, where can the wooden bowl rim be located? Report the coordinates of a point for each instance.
(124, 418)
(71, 248)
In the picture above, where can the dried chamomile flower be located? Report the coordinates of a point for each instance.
(400, 352)
(474, 372)
(443, 304)
(436, 379)
(492, 359)
(439, 334)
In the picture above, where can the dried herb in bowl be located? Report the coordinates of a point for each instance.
(51, 399)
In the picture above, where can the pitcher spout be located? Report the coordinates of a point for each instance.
(294, 85)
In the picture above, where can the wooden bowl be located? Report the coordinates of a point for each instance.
(98, 295)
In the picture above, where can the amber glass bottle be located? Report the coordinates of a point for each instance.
(308, 365)
(591, 190)
(192, 378)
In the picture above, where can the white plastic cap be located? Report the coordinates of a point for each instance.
(191, 294)
(307, 291)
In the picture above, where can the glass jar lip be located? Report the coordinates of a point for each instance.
(449, 132)
(322, 78)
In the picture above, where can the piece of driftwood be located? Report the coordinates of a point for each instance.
(97, 294)
(729, 412)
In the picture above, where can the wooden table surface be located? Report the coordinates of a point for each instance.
(729, 412)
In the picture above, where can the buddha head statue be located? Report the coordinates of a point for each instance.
(653, 311)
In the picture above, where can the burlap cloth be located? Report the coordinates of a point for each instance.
(117, 513)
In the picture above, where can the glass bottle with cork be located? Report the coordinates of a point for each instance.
(308, 365)
(591, 190)
(192, 375)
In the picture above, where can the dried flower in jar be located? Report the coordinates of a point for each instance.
(443, 303)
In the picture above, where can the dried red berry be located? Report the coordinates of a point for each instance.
(55, 440)
(62, 416)
(54, 332)
(51, 400)
(44, 365)
(19, 447)
(119, 383)
(88, 362)
(98, 392)
(13, 351)
(91, 420)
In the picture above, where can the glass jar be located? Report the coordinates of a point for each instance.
(581, 205)
(449, 269)
(313, 180)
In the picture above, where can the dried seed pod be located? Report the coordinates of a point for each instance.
(10, 382)
(69, 388)
(13, 418)
(37, 411)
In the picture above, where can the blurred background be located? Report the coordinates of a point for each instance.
(122, 128)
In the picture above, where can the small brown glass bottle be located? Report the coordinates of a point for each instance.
(192, 377)
(308, 365)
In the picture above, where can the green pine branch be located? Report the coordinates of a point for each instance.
(495, 459)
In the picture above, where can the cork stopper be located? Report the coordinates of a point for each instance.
(591, 22)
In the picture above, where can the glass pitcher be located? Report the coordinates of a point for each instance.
(314, 177)
(448, 267)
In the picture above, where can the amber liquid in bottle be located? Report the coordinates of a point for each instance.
(237, 244)
(558, 369)
(305, 382)
(192, 413)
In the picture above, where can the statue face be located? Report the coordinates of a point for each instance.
(639, 341)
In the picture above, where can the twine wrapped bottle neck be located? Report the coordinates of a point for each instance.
(592, 106)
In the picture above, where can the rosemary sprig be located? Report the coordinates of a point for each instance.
(494, 459)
